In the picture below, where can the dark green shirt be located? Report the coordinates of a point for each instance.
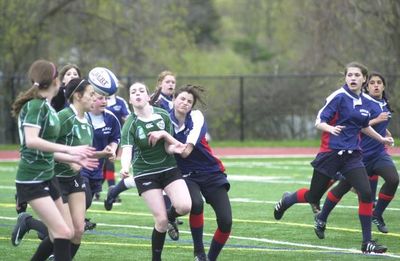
(74, 132)
(37, 166)
(148, 160)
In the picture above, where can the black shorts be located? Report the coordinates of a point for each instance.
(28, 192)
(208, 182)
(329, 163)
(95, 185)
(157, 181)
(71, 185)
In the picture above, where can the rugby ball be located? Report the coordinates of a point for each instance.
(103, 81)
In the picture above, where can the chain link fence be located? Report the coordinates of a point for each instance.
(250, 107)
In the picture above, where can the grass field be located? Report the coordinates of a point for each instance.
(256, 185)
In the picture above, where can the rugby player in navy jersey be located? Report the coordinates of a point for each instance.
(164, 92)
(107, 134)
(202, 171)
(119, 107)
(343, 117)
(375, 157)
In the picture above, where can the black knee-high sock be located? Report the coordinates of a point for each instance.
(37, 225)
(44, 250)
(62, 249)
(172, 214)
(118, 189)
(74, 249)
(167, 202)
(157, 244)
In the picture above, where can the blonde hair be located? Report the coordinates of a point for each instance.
(157, 90)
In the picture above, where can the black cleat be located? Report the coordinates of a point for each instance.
(201, 257)
(96, 196)
(319, 227)
(315, 207)
(378, 221)
(109, 201)
(373, 247)
(89, 225)
(20, 229)
(179, 222)
(280, 208)
(173, 230)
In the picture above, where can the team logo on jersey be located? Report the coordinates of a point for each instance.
(117, 107)
(161, 125)
(141, 134)
(364, 112)
(149, 125)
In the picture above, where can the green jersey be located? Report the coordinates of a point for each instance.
(147, 159)
(37, 166)
(74, 132)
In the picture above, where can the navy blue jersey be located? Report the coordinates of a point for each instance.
(165, 102)
(107, 129)
(119, 107)
(343, 107)
(194, 130)
(372, 148)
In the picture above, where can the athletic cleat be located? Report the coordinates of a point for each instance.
(96, 196)
(179, 222)
(280, 208)
(319, 227)
(109, 201)
(20, 229)
(51, 258)
(378, 221)
(201, 257)
(173, 231)
(373, 247)
(89, 225)
(315, 207)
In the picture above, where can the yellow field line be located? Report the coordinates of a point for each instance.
(397, 235)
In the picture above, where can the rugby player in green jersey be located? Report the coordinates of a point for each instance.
(76, 130)
(39, 127)
(147, 131)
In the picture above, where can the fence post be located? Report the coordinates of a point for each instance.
(241, 107)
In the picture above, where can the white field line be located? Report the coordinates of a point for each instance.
(264, 240)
